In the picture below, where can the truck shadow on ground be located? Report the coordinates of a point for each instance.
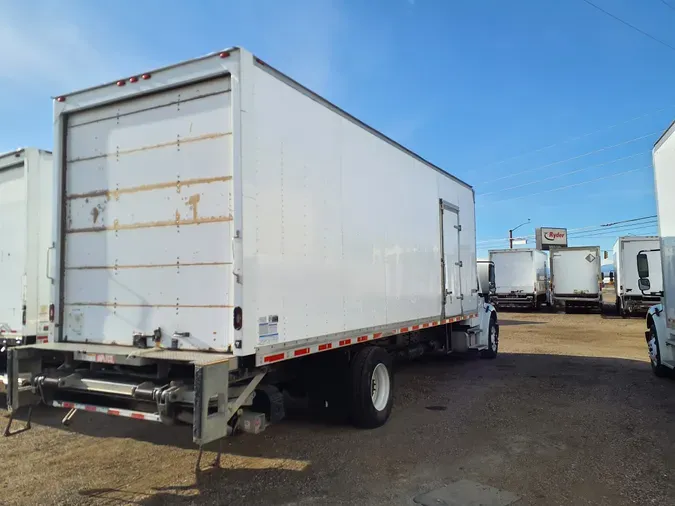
(531, 383)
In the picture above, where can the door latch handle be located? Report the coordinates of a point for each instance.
(448, 292)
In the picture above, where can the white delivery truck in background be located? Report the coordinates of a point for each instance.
(629, 298)
(576, 277)
(521, 277)
(656, 266)
(26, 191)
(224, 233)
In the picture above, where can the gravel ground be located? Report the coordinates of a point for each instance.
(569, 413)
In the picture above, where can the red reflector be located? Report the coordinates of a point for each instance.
(146, 76)
(113, 412)
(133, 79)
(51, 312)
(224, 54)
(260, 61)
(324, 347)
(377, 336)
(68, 405)
(345, 342)
(60, 99)
(137, 416)
(42, 339)
(90, 408)
(274, 358)
(404, 329)
(121, 83)
(361, 339)
(302, 351)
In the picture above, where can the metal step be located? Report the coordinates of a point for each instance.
(669, 363)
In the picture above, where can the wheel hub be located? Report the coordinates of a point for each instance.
(380, 386)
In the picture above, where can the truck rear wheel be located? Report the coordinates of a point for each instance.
(372, 383)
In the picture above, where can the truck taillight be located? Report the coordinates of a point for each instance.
(51, 312)
(238, 318)
(23, 314)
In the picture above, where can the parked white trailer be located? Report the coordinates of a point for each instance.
(224, 233)
(629, 298)
(521, 277)
(656, 269)
(576, 277)
(25, 242)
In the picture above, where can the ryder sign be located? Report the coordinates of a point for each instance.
(548, 238)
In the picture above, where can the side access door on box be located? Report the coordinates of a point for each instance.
(451, 265)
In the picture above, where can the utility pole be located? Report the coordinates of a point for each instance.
(512, 230)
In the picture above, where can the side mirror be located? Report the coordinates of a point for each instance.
(644, 284)
(605, 255)
(611, 276)
(643, 265)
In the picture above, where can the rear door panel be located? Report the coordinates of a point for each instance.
(148, 212)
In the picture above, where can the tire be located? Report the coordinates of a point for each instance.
(658, 368)
(372, 387)
(493, 340)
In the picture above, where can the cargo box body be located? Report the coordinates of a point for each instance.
(520, 277)
(26, 190)
(220, 184)
(576, 276)
(630, 298)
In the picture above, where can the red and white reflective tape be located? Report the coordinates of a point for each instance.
(127, 413)
(341, 343)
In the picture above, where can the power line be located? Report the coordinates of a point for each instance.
(666, 3)
(663, 43)
(558, 176)
(589, 228)
(616, 174)
(572, 139)
(612, 230)
(604, 148)
(608, 234)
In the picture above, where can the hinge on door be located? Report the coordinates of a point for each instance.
(459, 263)
(458, 227)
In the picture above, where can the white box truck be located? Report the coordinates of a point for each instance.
(25, 242)
(629, 298)
(656, 267)
(521, 277)
(576, 277)
(224, 233)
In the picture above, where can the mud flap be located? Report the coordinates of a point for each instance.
(211, 380)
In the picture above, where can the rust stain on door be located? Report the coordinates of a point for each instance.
(192, 202)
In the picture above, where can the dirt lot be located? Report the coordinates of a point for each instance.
(569, 413)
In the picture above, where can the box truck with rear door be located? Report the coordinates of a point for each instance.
(224, 234)
(629, 298)
(25, 242)
(576, 277)
(521, 277)
(656, 265)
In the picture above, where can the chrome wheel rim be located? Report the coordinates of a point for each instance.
(380, 386)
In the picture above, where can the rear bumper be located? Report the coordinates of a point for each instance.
(513, 299)
(586, 299)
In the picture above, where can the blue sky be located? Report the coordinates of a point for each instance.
(475, 86)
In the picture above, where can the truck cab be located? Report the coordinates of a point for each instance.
(660, 321)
